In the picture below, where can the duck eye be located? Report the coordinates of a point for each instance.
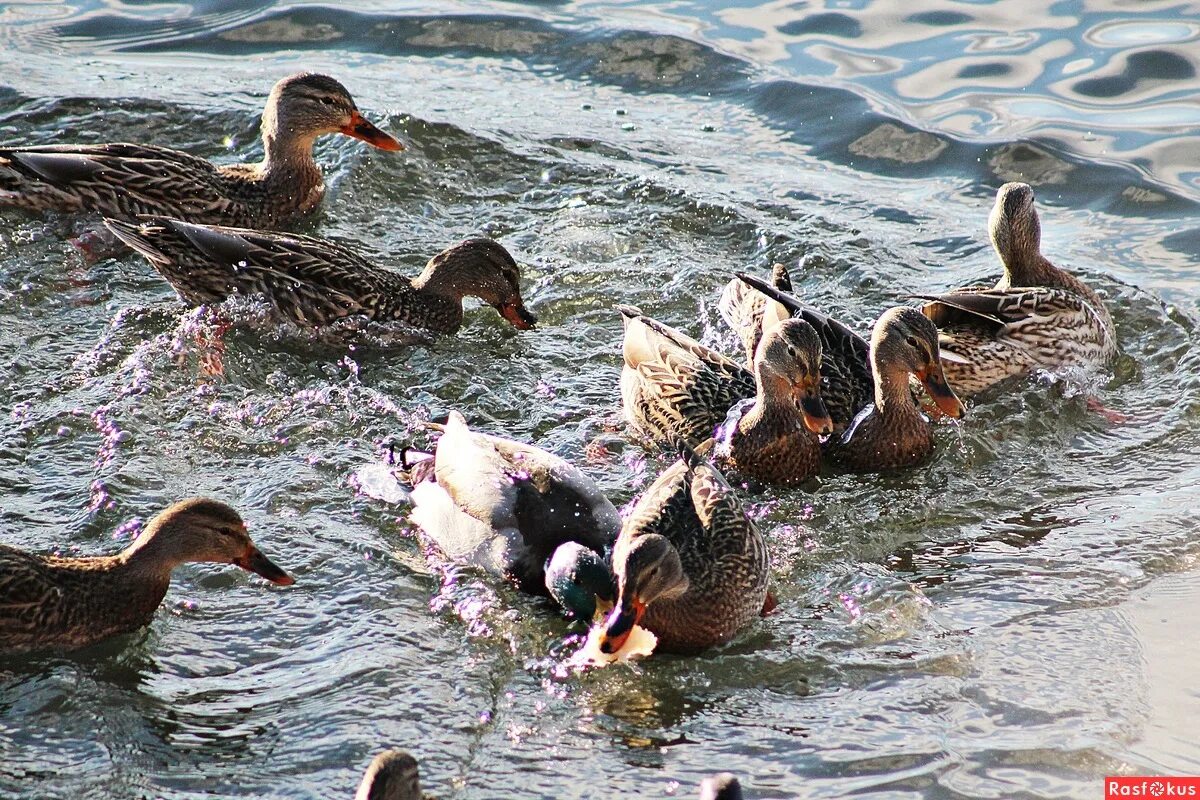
(329, 101)
(912, 342)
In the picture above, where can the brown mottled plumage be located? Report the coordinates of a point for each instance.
(391, 775)
(1036, 316)
(314, 282)
(674, 388)
(125, 180)
(691, 567)
(865, 386)
(50, 602)
(749, 312)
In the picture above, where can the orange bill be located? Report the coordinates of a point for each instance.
(816, 416)
(254, 561)
(943, 396)
(620, 624)
(521, 317)
(360, 128)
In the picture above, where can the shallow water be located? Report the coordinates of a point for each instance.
(1004, 622)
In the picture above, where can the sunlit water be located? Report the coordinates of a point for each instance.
(1002, 623)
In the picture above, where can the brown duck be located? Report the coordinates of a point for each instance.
(1036, 316)
(748, 312)
(124, 180)
(766, 422)
(691, 567)
(51, 602)
(866, 386)
(314, 282)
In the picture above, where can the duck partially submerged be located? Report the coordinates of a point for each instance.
(506, 507)
(748, 312)
(691, 566)
(580, 581)
(314, 282)
(724, 786)
(52, 602)
(1037, 316)
(124, 180)
(674, 388)
(391, 775)
(866, 386)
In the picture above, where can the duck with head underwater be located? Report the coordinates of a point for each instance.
(125, 180)
(516, 511)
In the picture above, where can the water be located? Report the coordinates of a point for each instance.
(1008, 621)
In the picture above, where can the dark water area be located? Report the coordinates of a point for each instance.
(1015, 619)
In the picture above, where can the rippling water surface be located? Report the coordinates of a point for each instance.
(1016, 619)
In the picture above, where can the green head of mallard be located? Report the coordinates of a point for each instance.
(579, 580)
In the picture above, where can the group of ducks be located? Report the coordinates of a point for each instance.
(686, 563)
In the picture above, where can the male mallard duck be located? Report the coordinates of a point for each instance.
(748, 312)
(506, 506)
(391, 775)
(724, 786)
(673, 387)
(125, 180)
(866, 386)
(314, 282)
(580, 581)
(691, 566)
(1036, 316)
(68, 603)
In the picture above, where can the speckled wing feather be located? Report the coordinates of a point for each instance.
(120, 180)
(673, 386)
(847, 382)
(28, 595)
(309, 281)
(744, 309)
(987, 335)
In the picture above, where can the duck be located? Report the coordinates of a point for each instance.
(748, 312)
(392, 775)
(313, 283)
(866, 385)
(1037, 316)
(691, 567)
(674, 388)
(125, 180)
(722, 786)
(504, 506)
(50, 602)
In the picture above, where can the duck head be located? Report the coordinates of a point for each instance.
(649, 570)
(392, 775)
(1015, 230)
(479, 268)
(787, 363)
(304, 106)
(905, 342)
(200, 529)
(579, 580)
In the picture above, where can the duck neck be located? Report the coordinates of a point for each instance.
(288, 159)
(437, 301)
(893, 397)
(149, 557)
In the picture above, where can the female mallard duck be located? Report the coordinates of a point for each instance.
(505, 506)
(866, 386)
(125, 180)
(673, 388)
(691, 566)
(314, 282)
(68, 603)
(1036, 316)
(391, 775)
(748, 312)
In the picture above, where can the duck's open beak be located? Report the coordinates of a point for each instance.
(620, 624)
(360, 128)
(254, 561)
(943, 396)
(516, 313)
(816, 416)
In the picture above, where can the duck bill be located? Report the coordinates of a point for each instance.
(934, 381)
(254, 561)
(360, 128)
(620, 624)
(816, 416)
(518, 315)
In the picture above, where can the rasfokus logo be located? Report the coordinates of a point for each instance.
(1155, 786)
